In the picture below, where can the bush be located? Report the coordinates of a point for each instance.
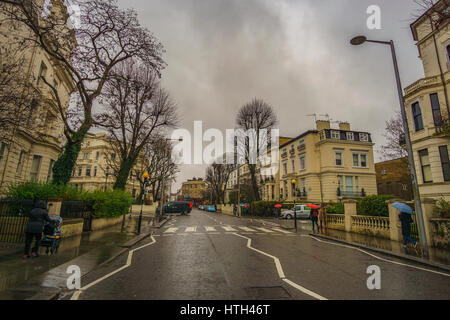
(374, 205)
(105, 203)
(442, 208)
(263, 208)
(337, 208)
(43, 191)
(108, 204)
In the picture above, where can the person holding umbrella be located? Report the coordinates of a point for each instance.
(277, 210)
(314, 216)
(405, 219)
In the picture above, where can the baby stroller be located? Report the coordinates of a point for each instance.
(52, 234)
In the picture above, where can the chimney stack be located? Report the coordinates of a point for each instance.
(322, 124)
(344, 126)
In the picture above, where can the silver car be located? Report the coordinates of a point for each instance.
(301, 210)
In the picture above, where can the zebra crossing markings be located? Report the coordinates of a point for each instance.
(228, 229)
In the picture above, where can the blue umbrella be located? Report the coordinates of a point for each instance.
(402, 207)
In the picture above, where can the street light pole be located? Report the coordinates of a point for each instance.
(145, 176)
(358, 41)
(293, 182)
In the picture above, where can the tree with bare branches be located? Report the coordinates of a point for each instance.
(394, 134)
(88, 51)
(137, 110)
(256, 119)
(217, 176)
(159, 165)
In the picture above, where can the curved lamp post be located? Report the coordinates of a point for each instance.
(356, 41)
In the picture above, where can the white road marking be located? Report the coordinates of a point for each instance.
(171, 230)
(246, 229)
(76, 294)
(228, 228)
(379, 258)
(281, 272)
(264, 229)
(210, 229)
(281, 230)
(191, 229)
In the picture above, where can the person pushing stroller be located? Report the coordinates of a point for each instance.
(38, 217)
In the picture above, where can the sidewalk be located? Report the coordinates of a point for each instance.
(44, 277)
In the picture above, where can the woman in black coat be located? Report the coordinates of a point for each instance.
(34, 229)
(406, 221)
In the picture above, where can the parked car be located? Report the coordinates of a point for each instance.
(301, 210)
(210, 208)
(201, 207)
(181, 207)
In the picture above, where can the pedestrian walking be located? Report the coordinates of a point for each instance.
(314, 216)
(406, 220)
(234, 209)
(34, 229)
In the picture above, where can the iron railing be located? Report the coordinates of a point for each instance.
(78, 209)
(14, 219)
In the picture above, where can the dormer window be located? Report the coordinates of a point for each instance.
(364, 137)
(350, 136)
(335, 134)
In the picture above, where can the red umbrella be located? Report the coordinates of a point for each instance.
(278, 206)
(312, 206)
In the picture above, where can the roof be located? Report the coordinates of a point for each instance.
(299, 137)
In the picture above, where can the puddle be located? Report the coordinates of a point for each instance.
(14, 270)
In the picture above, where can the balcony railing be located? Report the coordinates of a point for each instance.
(284, 154)
(422, 82)
(301, 147)
(351, 194)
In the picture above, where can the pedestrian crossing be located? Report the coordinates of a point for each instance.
(224, 229)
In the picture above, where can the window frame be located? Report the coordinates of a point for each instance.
(335, 134)
(416, 117)
(436, 122)
(350, 134)
(427, 165)
(445, 164)
(341, 152)
(38, 170)
(359, 154)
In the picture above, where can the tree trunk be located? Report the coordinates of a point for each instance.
(63, 167)
(252, 168)
(122, 175)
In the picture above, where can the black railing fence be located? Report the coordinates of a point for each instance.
(78, 209)
(14, 219)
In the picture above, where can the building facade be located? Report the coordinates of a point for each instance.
(29, 150)
(427, 103)
(194, 189)
(327, 164)
(393, 178)
(96, 162)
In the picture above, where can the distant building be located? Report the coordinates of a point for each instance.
(427, 103)
(194, 189)
(393, 177)
(94, 167)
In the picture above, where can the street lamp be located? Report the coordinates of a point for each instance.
(358, 41)
(293, 182)
(145, 176)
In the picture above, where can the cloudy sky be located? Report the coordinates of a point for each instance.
(294, 54)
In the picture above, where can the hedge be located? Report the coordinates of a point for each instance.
(442, 208)
(336, 208)
(374, 205)
(105, 203)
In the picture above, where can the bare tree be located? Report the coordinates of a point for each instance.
(217, 176)
(254, 118)
(159, 165)
(104, 36)
(18, 95)
(394, 134)
(137, 109)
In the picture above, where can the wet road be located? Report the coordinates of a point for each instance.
(213, 256)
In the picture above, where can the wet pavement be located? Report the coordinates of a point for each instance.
(435, 255)
(213, 256)
(14, 270)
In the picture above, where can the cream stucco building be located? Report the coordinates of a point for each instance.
(29, 150)
(94, 169)
(427, 103)
(327, 164)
